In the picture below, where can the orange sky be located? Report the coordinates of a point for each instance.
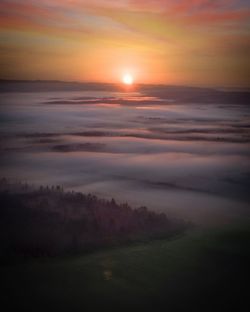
(192, 42)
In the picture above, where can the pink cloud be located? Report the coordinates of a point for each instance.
(219, 17)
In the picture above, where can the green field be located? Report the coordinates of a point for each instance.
(203, 270)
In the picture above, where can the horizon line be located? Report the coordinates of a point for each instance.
(3, 80)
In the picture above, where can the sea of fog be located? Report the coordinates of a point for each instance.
(188, 160)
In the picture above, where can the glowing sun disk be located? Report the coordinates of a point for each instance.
(127, 79)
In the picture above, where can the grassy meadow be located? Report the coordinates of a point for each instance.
(203, 270)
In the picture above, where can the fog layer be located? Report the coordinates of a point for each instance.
(190, 160)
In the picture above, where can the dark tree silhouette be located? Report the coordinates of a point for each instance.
(47, 221)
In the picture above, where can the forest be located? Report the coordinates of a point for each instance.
(48, 221)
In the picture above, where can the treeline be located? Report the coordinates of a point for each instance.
(47, 221)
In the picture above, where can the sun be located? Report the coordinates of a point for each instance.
(128, 79)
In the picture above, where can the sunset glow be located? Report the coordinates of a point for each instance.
(169, 42)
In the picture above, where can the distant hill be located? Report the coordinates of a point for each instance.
(179, 94)
(53, 85)
(48, 222)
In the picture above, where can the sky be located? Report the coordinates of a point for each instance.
(188, 42)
